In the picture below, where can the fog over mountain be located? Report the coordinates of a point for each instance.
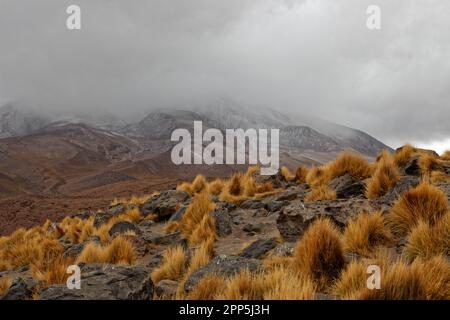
(307, 59)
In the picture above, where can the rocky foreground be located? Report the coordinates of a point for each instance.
(251, 235)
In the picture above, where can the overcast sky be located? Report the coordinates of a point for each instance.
(305, 56)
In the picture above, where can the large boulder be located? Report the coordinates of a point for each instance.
(122, 227)
(22, 288)
(405, 183)
(259, 248)
(346, 187)
(294, 219)
(226, 266)
(223, 221)
(105, 282)
(165, 204)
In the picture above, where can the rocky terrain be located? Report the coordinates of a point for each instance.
(304, 235)
(51, 166)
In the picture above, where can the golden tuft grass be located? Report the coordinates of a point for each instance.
(196, 224)
(119, 251)
(287, 174)
(425, 241)
(404, 154)
(207, 288)
(384, 178)
(428, 163)
(243, 286)
(425, 203)
(366, 233)
(54, 273)
(446, 156)
(319, 253)
(186, 187)
(173, 265)
(199, 184)
(171, 227)
(283, 283)
(5, 284)
(348, 162)
(439, 177)
(320, 193)
(317, 177)
(300, 174)
(216, 187)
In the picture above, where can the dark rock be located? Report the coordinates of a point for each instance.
(294, 219)
(177, 215)
(226, 266)
(405, 183)
(274, 206)
(75, 250)
(21, 289)
(101, 218)
(119, 209)
(164, 204)
(105, 282)
(287, 196)
(238, 220)
(259, 248)
(159, 239)
(84, 215)
(284, 250)
(166, 289)
(345, 187)
(412, 167)
(252, 227)
(252, 204)
(223, 222)
(146, 223)
(122, 227)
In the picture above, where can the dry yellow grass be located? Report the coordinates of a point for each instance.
(403, 155)
(196, 224)
(207, 288)
(301, 174)
(119, 251)
(352, 163)
(446, 156)
(439, 177)
(425, 241)
(425, 203)
(320, 193)
(199, 184)
(384, 178)
(216, 187)
(428, 163)
(54, 273)
(243, 286)
(171, 227)
(5, 284)
(365, 233)
(186, 187)
(319, 253)
(173, 265)
(317, 177)
(287, 174)
(418, 281)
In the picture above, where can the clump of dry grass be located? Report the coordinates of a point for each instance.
(319, 253)
(384, 178)
(426, 241)
(5, 284)
(186, 187)
(287, 174)
(196, 224)
(428, 163)
(446, 156)
(418, 281)
(320, 193)
(243, 286)
(173, 265)
(352, 163)
(366, 233)
(300, 174)
(119, 251)
(216, 187)
(404, 154)
(54, 273)
(171, 227)
(439, 177)
(317, 176)
(207, 288)
(425, 203)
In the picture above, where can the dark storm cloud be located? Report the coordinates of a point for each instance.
(301, 56)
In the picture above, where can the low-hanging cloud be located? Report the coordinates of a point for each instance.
(313, 56)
